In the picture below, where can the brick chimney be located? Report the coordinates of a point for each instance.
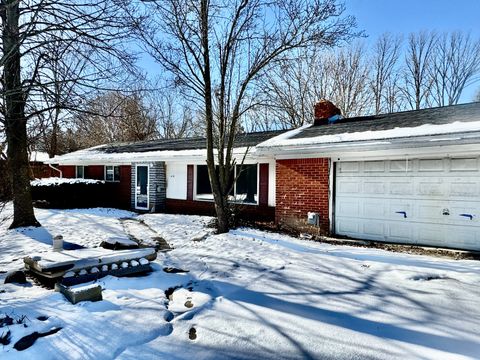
(323, 110)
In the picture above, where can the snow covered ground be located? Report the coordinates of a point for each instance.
(247, 295)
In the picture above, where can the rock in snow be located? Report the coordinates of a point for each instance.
(15, 277)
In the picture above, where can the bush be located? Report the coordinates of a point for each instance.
(69, 196)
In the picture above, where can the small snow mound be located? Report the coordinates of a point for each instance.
(134, 263)
(55, 181)
(143, 261)
(94, 270)
(124, 265)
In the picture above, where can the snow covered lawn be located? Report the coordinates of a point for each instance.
(247, 295)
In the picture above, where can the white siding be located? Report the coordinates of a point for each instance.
(176, 180)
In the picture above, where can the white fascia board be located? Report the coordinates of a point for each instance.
(454, 143)
(185, 156)
(464, 150)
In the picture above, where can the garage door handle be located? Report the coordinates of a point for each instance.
(467, 215)
(403, 213)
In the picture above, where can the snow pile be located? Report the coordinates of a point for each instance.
(55, 181)
(248, 294)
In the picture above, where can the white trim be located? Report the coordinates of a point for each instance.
(113, 168)
(331, 179)
(196, 198)
(148, 186)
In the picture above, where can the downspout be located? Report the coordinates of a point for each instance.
(54, 168)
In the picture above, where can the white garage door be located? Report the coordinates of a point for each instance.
(423, 201)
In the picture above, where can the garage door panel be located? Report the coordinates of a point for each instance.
(437, 165)
(348, 227)
(462, 188)
(400, 231)
(348, 207)
(431, 212)
(401, 187)
(350, 187)
(464, 164)
(374, 166)
(372, 197)
(374, 187)
(374, 228)
(373, 209)
(431, 187)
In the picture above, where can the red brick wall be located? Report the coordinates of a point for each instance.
(302, 185)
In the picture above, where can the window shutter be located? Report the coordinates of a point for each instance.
(263, 185)
(189, 182)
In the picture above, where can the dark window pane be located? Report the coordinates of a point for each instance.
(246, 186)
(116, 173)
(79, 172)
(203, 182)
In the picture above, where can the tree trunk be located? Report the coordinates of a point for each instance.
(223, 216)
(15, 120)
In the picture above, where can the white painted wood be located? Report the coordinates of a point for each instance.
(372, 197)
(271, 182)
(176, 180)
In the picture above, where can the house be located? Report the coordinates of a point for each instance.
(410, 177)
(37, 169)
(172, 176)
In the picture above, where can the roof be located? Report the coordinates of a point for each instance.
(405, 119)
(241, 140)
(159, 150)
(34, 156)
(417, 128)
(401, 125)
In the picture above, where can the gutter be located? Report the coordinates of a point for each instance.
(56, 169)
(424, 141)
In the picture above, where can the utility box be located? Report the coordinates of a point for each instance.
(313, 218)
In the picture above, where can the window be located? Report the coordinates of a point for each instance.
(245, 189)
(112, 173)
(80, 172)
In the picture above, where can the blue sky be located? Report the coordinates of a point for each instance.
(404, 16)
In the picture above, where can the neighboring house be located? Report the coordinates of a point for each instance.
(38, 169)
(410, 177)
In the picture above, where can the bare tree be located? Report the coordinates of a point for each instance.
(386, 52)
(61, 95)
(175, 118)
(455, 65)
(115, 117)
(349, 72)
(26, 29)
(218, 49)
(417, 84)
(290, 89)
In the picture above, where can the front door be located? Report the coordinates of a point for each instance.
(141, 187)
